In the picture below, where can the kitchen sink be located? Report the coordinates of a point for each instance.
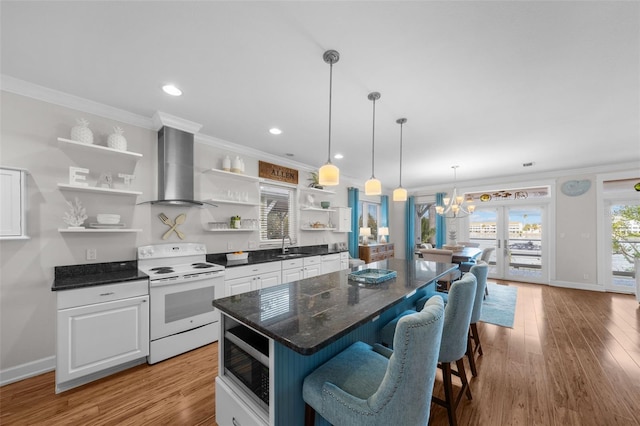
(289, 256)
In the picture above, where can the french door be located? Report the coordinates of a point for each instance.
(517, 233)
(623, 238)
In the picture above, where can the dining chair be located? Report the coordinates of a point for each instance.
(373, 385)
(485, 256)
(453, 347)
(468, 244)
(443, 256)
(480, 270)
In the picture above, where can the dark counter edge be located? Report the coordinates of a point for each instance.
(327, 342)
(92, 274)
(270, 255)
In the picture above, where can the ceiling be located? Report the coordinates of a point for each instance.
(485, 85)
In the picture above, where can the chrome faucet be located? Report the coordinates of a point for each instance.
(284, 236)
(285, 249)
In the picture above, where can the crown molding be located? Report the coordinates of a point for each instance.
(161, 119)
(45, 94)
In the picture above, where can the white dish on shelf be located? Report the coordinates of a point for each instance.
(108, 219)
(237, 256)
(106, 225)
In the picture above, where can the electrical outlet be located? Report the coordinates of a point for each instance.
(229, 246)
(92, 254)
(252, 244)
(586, 276)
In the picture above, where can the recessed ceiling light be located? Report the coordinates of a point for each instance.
(288, 154)
(338, 156)
(172, 90)
(275, 131)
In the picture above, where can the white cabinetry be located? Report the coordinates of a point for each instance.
(292, 270)
(330, 263)
(241, 279)
(13, 204)
(344, 260)
(234, 408)
(312, 266)
(100, 330)
(342, 221)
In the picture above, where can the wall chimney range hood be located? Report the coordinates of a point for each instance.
(175, 161)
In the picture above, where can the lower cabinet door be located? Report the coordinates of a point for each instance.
(238, 286)
(95, 337)
(270, 279)
(234, 409)
(290, 275)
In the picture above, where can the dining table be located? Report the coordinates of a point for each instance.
(465, 254)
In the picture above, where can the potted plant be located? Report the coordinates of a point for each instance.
(315, 181)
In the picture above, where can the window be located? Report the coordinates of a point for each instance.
(372, 212)
(277, 213)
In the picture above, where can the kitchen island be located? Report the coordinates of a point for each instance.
(273, 338)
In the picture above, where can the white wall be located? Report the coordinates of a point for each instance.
(29, 133)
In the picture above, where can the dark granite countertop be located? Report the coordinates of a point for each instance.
(270, 255)
(314, 312)
(92, 274)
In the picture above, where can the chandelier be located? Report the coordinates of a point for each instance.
(456, 204)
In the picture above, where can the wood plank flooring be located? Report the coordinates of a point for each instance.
(572, 358)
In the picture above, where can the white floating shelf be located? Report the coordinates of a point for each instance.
(316, 209)
(230, 230)
(319, 191)
(238, 203)
(68, 187)
(101, 148)
(85, 230)
(232, 175)
(317, 229)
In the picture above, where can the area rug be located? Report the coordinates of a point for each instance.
(499, 306)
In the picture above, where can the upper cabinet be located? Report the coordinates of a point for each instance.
(13, 204)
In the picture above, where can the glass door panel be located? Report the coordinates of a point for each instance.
(484, 230)
(524, 244)
(516, 233)
(624, 222)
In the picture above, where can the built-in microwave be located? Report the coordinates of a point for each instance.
(246, 361)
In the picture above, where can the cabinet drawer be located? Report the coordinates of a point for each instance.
(292, 263)
(245, 271)
(389, 247)
(102, 293)
(377, 257)
(344, 255)
(232, 410)
(313, 260)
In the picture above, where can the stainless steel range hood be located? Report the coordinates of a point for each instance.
(175, 166)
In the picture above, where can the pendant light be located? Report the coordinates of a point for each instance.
(329, 175)
(400, 194)
(373, 185)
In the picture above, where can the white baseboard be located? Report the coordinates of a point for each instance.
(577, 286)
(24, 371)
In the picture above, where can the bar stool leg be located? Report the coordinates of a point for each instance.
(309, 415)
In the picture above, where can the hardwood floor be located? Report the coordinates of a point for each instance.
(572, 358)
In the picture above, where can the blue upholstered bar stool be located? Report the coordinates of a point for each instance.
(365, 385)
(457, 317)
(455, 337)
(480, 270)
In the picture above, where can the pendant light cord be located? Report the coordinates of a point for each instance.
(330, 97)
(373, 141)
(401, 124)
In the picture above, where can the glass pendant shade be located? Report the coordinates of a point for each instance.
(399, 194)
(328, 175)
(373, 187)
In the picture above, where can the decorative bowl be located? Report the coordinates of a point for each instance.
(237, 256)
(108, 219)
(325, 204)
